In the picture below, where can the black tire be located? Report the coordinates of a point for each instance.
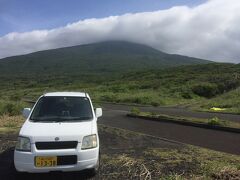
(95, 171)
(16, 174)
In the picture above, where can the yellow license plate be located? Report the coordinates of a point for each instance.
(45, 161)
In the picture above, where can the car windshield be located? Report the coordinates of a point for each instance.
(58, 109)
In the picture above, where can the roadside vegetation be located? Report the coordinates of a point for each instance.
(229, 102)
(215, 121)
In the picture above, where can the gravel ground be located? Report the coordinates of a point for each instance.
(116, 145)
(130, 155)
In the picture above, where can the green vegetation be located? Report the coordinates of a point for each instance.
(201, 86)
(106, 57)
(120, 72)
(229, 101)
(10, 107)
(215, 121)
(135, 111)
(218, 87)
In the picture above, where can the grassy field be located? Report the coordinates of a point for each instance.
(130, 155)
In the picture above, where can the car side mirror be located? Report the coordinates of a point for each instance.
(26, 112)
(98, 112)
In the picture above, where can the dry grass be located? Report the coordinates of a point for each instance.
(128, 155)
(228, 173)
(7, 121)
(125, 166)
(128, 168)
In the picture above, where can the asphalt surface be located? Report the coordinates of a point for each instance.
(115, 115)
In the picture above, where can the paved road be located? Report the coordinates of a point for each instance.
(115, 115)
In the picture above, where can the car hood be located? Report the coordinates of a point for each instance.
(40, 131)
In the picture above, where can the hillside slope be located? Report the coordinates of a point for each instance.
(202, 86)
(112, 56)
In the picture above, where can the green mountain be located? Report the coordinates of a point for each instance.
(111, 56)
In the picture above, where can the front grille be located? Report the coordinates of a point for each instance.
(56, 145)
(66, 160)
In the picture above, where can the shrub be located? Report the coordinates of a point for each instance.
(155, 104)
(15, 97)
(153, 114)
(118, 88)
(135, 111)
(141, 100)
(214, 121)
(10, 108)
(207, 90)
(186, 93)
(108, 97)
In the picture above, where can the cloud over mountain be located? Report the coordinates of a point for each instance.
(210, 30)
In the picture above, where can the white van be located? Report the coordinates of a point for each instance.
(60, 134)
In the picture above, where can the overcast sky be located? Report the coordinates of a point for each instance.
(205, 29)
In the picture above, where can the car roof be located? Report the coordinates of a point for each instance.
(73, 94)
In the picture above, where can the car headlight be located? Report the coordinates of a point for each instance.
(89, 142)
(23, 144)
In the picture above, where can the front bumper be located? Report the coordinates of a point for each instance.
(86, 159)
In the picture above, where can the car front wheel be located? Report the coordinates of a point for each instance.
(95, 170)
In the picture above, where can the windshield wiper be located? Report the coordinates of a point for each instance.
(61, 119)
(74, 118)
(46, 119)
(38, 120)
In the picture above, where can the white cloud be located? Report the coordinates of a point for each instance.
(210, 31)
